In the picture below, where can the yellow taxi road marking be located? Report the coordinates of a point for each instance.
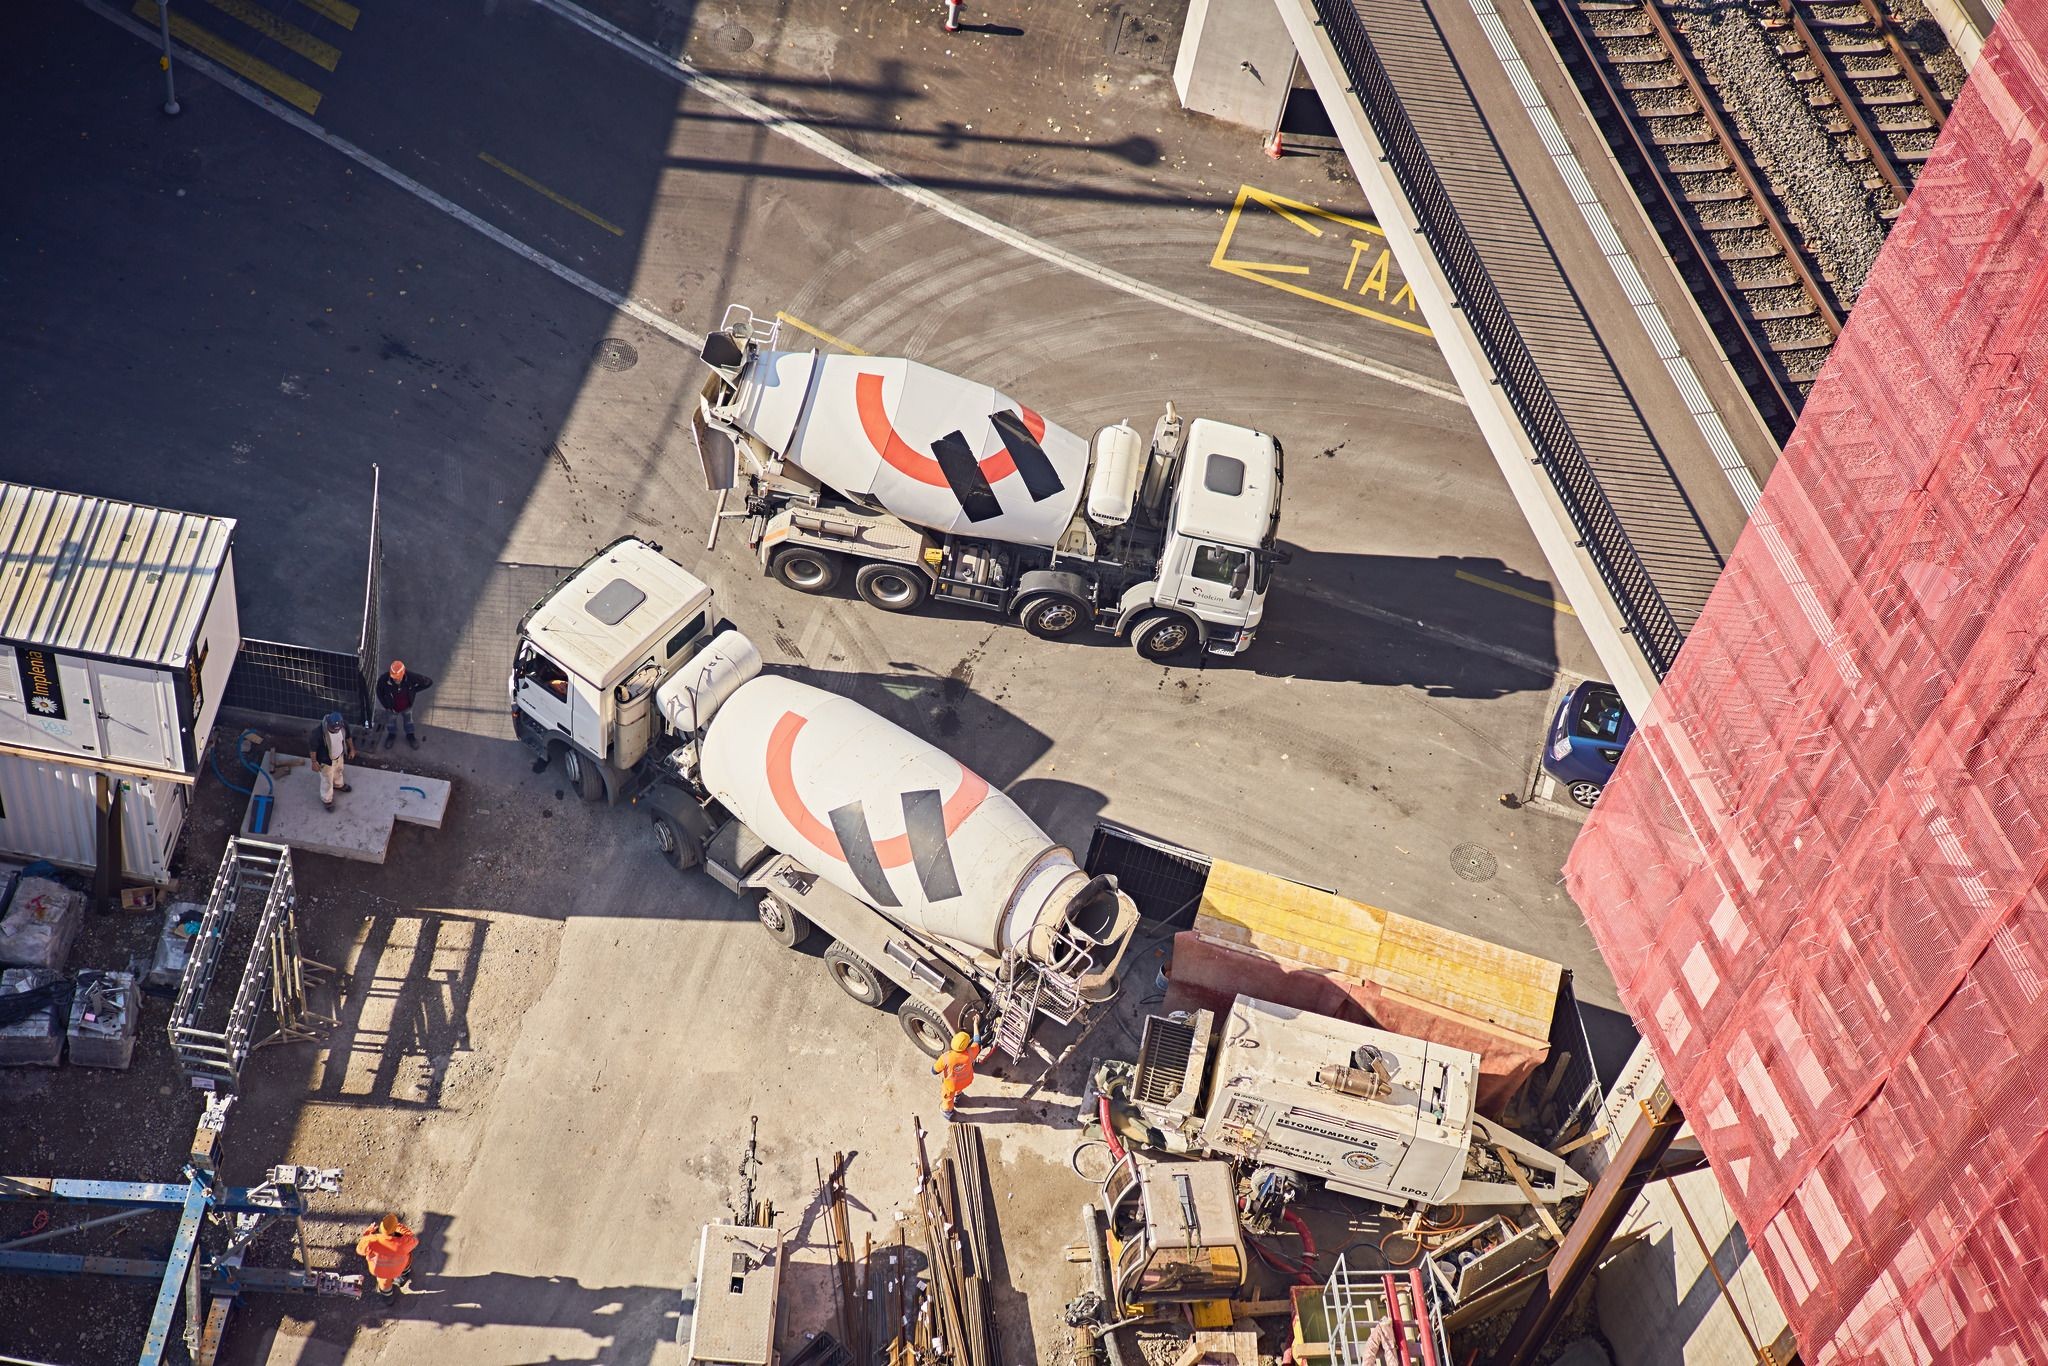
(320, 54)
(1367, 241)
(335, 11)
(571, 205)
(293, 92)
(826, 337)
(1552, 603)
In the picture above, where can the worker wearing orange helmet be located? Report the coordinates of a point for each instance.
(955, 1068)
(387, 1246)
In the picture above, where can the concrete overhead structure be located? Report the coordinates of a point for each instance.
(1235, 63)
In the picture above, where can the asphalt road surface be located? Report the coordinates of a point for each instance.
(474, 245)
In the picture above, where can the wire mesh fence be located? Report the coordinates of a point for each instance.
(285, 679)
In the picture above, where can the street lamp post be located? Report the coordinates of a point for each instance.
(163, 15)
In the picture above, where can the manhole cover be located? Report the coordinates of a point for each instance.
(614, 354)
(736, 37)
(1473, 862)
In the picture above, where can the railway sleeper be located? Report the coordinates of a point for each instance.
(1732, 222)
(1796, 346)
(1759, 253)
(1729, 196)
(1661, 83)
(1784, 315)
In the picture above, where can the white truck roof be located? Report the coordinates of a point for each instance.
(598, 623)
(1229, 484)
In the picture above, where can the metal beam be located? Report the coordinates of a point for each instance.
(176, 1269)
(214, 1278)
(1590, 1233)
(265, 1199)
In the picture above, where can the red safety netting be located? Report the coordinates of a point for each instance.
(1819, 873)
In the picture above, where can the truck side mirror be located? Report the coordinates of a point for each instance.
(1277, 556)
(722, 351)
(1240, 578)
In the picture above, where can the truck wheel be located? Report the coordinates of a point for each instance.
(1051, 616)
(1162, 636)
(926, 1027)
(855, 977)
(583, 775)
(889, 587)
(785, 925)
(806, 570)
(682, 852)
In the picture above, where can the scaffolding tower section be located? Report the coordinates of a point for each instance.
(255, 879)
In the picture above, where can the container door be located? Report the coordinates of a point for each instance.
(135, 725)
(152, 815)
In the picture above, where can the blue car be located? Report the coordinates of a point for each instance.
(1586, 739)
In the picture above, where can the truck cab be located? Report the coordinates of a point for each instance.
(1221, 542)
(592, 652)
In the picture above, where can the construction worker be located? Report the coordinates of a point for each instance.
(387, 1246)
(955, 1069)
(395, 693)
(331, 749)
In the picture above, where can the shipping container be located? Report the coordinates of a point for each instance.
(50, 811)
(118, 627)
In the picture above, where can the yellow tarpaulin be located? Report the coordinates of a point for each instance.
(1437, 969)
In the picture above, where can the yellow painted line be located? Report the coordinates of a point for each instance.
(1552, 603)
(826, 337)
(1272, 267)
(335, 11)
(291, 91)
(321, 54)
(571, 205)
(1299, 213)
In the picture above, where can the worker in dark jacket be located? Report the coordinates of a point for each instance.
(330, 749)
(395, 692)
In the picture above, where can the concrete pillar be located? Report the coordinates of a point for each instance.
(1235, 61)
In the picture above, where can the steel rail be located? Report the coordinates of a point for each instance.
(1795, 255)
(1833, 74)
(1740, 314)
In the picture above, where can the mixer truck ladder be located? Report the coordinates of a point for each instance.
(1030, 989)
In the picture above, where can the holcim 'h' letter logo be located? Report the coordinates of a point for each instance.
(929, 820)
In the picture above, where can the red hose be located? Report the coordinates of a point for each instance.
(1422, 1325)
(1308, 1241)
(1116, 1145)
(1394, 1317)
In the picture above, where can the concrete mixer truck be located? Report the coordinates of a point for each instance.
(928, 882)
(923, 484)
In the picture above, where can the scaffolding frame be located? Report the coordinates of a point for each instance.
(206, 1283)
(276, 970)
(1357, 1299)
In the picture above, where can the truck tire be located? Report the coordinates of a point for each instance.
(582, 775)
(889, 587)
(855, 977)
(806, 569)
(926, 1027)
(682, 852)
(1051, 615)
(785, 924)
(1163, 636)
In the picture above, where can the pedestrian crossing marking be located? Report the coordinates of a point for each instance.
(292, 91)
(320, 54)
(335, 12)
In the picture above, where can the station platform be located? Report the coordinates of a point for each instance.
(1572, 335)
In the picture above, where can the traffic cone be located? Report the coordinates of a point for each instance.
(1276, 146)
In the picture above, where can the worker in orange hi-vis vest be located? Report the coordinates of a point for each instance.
(955, 1068)
(387, 1246)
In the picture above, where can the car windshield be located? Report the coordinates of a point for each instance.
(1601, 715)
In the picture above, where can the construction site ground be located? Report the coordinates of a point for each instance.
(552, 1044)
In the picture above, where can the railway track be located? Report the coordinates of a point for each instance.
(1866, 85)
(1770, 284)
